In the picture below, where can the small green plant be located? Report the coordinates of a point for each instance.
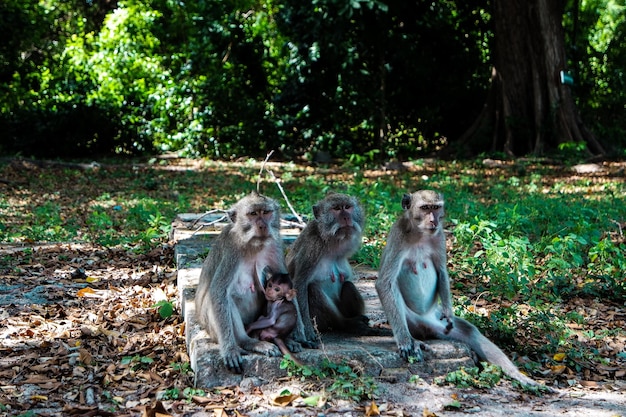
(170, 394)
(190, 392)
(415, 379)
(474, 377)
(182, 367)
(137, 362)
(346, 382)
(165, 308)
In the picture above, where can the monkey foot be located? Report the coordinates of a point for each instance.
(414, 351)
(293, 346)
(265, 348)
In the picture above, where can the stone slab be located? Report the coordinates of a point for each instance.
(376, 356)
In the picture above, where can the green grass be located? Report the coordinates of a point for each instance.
(527, 239)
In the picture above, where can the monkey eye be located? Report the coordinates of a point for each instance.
(252, 213)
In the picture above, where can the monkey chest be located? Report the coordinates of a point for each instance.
(418, 282)
(246, 291)
(331, 274)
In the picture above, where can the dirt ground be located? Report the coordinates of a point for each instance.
(80, 335)
(65, 350)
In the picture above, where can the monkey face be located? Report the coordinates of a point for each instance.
(425, 209)
(274, 291)
(260, 221)
(340, 215)
(257, 217)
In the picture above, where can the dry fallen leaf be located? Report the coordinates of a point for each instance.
(559, 357)
(558, 369)
(428, 413)
(372, 410)
(284, 399)
(157, 411)
(84, 291)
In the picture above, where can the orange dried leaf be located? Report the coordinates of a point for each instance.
(428, 413)
(85, 357)
(84, 291)
(559, 357)
(372, 410)
(284, 399)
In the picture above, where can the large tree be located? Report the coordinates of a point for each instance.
(529, 109)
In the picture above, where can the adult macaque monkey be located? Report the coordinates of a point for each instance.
(414, 287)
(281, 315)
(230, 288)
(318, 264)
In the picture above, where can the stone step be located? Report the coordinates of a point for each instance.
(376, 356)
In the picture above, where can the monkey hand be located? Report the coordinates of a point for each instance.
(232, 359)
(449, 325)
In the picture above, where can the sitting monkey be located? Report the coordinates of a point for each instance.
(414, 287)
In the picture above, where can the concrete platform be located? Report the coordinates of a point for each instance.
(376, 356)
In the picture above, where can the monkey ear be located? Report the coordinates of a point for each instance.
(290, 295)
(232, 215)
(316, 211)
(406, 201)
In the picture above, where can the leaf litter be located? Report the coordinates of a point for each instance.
(80, 335)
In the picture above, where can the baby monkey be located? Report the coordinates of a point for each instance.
(281, 313)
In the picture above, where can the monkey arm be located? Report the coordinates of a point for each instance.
(299, 334)
(390, 295)
(443, 281)
(262, 323)
(300, 263)
(443, 289)
(302, 303)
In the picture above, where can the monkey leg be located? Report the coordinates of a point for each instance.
(421, 327)
(351, 302)
(270, 334)
(344, 314)
(323, 311)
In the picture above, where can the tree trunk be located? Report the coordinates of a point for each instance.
(529, 109)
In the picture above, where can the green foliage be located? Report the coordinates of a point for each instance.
(165, 308)
(343, 381)
(228, 79)
(598, 57)
(473, 377)
(137, 361)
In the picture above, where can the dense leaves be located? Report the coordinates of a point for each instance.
(225, 79)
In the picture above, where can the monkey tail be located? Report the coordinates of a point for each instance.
(285, 351)
(487, 350)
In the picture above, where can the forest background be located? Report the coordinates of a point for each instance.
(361, 78)
(537, 247)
